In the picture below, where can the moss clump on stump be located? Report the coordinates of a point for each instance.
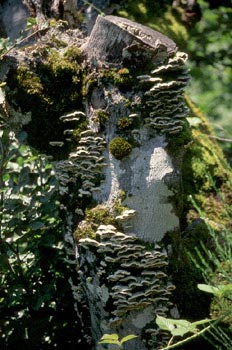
(49, 89)
(120, 148)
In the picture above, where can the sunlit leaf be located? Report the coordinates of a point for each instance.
(128, 337)
(165, 323)
(112, 336)
(208, 289)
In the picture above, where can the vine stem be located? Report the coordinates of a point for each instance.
(170, 340)
(185, 340)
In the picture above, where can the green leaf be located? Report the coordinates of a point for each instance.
(20, 161)
(109, 341)
(112, 336)
(128, 337)
(180, 323)
(181, 331)
(31, 21)
(165, 323)
(176, 327)
(209, 289)
(206, 320)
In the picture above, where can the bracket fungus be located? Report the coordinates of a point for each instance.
(133, 275)
(164, 98)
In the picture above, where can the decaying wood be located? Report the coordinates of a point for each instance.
(114, 40)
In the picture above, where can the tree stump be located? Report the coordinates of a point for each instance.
(136, 112)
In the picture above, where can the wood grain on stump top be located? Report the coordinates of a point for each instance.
(114, 38)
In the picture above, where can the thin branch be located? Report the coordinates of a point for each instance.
(94, 7)
(170, 340)
(23, 40)
(222, 139)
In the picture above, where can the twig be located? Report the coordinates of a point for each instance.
(24, 39)
(220, 138)
(170, 340)
(94, 7)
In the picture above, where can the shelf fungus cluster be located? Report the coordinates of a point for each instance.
(88, 161)
(164, 97)
(133, 274)
(84, 163)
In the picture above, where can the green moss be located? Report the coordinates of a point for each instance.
(102, 117)
(127, 103)
(73, 54)
(121, 78)
(85, 230)
(49, 90)
(124, 123)
(29, 81)
(185, 275)
(122, 195)
(118, 207)
(99, 215)
(64, 65)
(89, 83)
(183, 139)
(207, 183)
(58, 43)
(120, 148)
(206, 176)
